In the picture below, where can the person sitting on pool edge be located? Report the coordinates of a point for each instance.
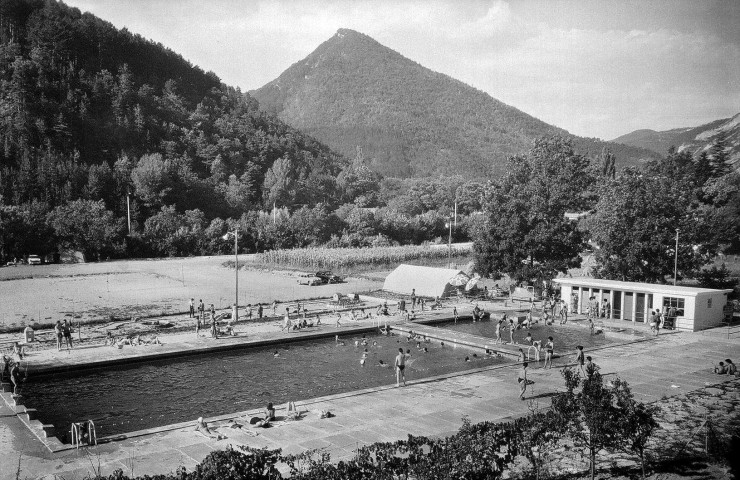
(202, 428)
(731, 368)
(269, 412)
(720, 369)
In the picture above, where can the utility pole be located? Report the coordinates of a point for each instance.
(128, 210)
(236, 273)
(449, 245)
(675, 262)
(235, 233)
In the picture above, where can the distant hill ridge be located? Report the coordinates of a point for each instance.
(693, 139)
(409, 120)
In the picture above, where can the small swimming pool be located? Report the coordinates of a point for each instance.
(151, 394)
(566, 338)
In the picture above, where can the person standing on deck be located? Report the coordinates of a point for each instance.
(259, 310)
(67, 332)
(191, 304)
(522, 380)
(201, 309)
(59, 335)
(413, 298)
(401, 367)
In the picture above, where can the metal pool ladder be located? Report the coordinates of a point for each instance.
(83, 433)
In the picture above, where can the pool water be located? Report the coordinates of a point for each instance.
(151, 394)
(565, 338)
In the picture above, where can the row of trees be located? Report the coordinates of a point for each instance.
(630, 217)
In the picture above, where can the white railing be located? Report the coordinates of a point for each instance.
(83, 433)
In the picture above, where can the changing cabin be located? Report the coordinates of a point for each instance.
(695, 308)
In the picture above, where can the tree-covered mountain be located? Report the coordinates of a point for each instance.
(410, 121)
(91, 114)
(694, 140)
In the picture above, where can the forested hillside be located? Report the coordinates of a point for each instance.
(409, 120)
(694, 140)
(90, 114)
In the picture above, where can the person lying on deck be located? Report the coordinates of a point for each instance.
(202, 428)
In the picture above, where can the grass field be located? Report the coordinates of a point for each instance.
(121, 289)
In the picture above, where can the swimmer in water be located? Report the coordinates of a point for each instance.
(381, 363)
(467, 359)
(336, 339)
(276, 354)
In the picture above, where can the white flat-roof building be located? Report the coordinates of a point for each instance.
(688, 308)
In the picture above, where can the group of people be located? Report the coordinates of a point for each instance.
(63, 332)
(659, 319)
(215, 330)
(133, 340)
(727, 368)
(552, 307)
(301, 322)
(510, 323)
(537, 347)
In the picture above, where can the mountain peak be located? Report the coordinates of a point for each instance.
(347, 32)
(409, 120)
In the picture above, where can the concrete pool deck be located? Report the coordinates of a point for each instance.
(667, 366)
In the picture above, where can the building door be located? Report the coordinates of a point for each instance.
(617, 307)
(640, 307)
(606, 295)
(584, 300)
(628, 301)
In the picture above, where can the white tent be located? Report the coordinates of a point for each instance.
(428, 281)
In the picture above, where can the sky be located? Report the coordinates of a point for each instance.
(596, 68)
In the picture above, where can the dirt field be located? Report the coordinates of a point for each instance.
(96, 291)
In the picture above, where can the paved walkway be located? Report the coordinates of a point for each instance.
(667, 366)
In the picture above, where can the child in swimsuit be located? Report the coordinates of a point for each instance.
(549, 349)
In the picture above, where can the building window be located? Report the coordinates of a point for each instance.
(674, 303)
(709, 303)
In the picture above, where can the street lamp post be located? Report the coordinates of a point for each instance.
(235, 313)
(675, 261)
(449, 245)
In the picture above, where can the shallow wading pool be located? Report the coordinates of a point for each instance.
(156, 393)
(565, 338)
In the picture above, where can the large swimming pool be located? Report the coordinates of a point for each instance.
(151, 394)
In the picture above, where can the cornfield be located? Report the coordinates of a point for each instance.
(338, 258)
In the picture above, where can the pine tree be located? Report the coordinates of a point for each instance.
(703, 169)
(608, 163)
(719, 159)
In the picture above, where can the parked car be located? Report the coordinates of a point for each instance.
(328, 277)
(309, 279)
(34, 260)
